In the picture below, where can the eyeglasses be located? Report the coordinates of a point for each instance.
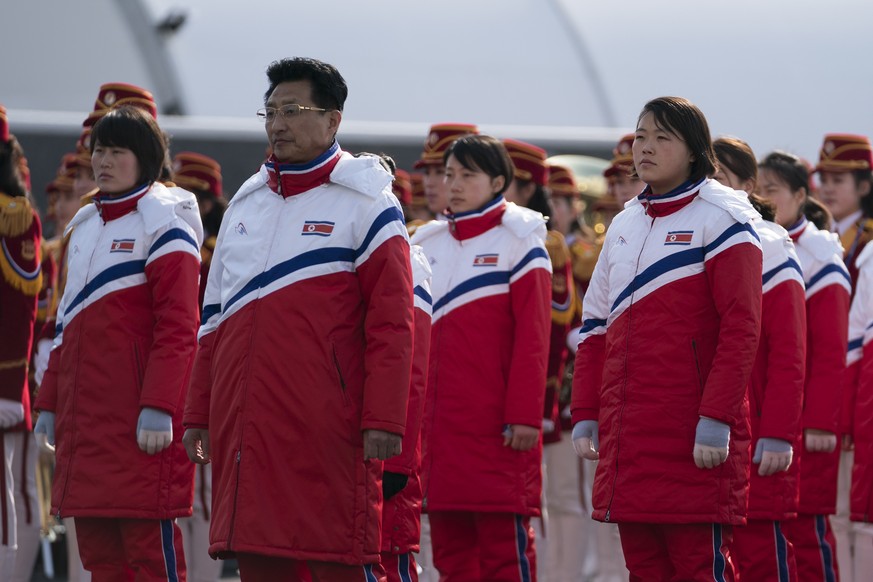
(268, 114)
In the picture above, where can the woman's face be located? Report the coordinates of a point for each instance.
(469, 189)
(623, 187)
(662, 159)
(66, 206)
(116, 169)
(788, 203)
(841, 194)
(564, 215)
(84, 181)
(727, 178)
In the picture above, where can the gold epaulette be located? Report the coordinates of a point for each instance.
(16, 215)
(557, 247)
(585, 256)
(413, 225)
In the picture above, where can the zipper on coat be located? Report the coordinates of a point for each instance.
(75, 397)
(252, 334)
(339, 373)
(624, 383)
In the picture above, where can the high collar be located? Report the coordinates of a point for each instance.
(672, 201)
(465, 225)
(292, 179)
(112, 206)
(796, 229)
(841, 226)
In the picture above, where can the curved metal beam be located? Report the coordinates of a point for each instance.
(591, 70)
(166, 86)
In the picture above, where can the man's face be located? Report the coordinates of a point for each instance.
(304, 136)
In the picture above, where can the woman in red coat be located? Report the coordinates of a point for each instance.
(670, 331)
(783, 180)
(124, 347)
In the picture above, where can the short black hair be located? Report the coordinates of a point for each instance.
(329, 89)
(682, 118)
(134, 129)
(485, 154)
(737, 156)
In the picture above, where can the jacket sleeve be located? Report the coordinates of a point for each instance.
(530, 298)
(827, 315)
(590, 353)
(860, 320)
(409, 458)
(783, 329)
(733, 263)
(172, 274)
(198, 398)
(384, 272)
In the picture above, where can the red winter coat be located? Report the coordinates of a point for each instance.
(126, 335)
(401, 515)
(827, 320)
(776, 385)
(306, 342)
(489, 350)
(670, 333)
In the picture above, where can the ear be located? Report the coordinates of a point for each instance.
(336, 118)
(497, 184)
(749, 186)
(864, 188)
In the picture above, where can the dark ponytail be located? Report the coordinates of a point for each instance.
(817, 213)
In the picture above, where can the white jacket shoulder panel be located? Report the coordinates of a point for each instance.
(162, 205)
(253, 184)
(733, 202)
(429, 230)
(821, 244)
(81, 216)
(523, 222)
(364, 175)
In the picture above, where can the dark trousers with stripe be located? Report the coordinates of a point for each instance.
(399, 567)
(660, 552)
(815, 547)
(113, 548)
(761, 552)
(477, 546)
(260, 568)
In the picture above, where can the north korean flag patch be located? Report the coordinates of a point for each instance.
(122, 245)
(679, 238)
(489, 260)
(317, 228)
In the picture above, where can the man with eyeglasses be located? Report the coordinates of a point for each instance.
(300, 385)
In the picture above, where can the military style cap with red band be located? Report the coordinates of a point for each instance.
(417, 189)
(529, 161)
(4, 125)
(402, 187)
(66, 174)
(622, 157)
(118, 94)
(562, 183)
(440, 137)
(843, 152)
(194, 171)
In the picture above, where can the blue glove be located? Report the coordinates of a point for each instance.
(154, 430)
(711, 443)
(585, 441)
(773, 455)
(45, 428)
